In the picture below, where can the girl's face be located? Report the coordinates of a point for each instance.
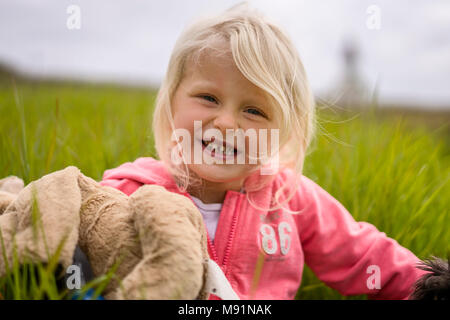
(214, 91)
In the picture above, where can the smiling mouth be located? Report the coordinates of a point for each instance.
(221, 148)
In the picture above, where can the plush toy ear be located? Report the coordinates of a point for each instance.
(11, 184)
(172, 263)
(217, 284)
(9, 188)
(6, 198)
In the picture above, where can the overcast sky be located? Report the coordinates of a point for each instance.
(404, 45)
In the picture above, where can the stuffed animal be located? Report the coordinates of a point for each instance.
(157, 237)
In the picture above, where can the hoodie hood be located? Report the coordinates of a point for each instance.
(129, 176)
(145, 170)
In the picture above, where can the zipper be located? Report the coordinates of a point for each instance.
(232, 233)
(212, 248)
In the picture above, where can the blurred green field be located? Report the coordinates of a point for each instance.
(389, 169)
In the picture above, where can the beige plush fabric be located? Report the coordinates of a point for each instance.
(11, 184)
(155, 238)
(5, 199)
(9, 188)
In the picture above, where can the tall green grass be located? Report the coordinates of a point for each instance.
(388, 171)
(46, 127)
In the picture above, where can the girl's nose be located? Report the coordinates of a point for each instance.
(225, 119)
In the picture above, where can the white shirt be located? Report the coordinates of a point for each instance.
(210, 213)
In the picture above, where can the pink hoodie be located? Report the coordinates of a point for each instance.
(262, 253)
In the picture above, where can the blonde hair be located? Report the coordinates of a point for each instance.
(268, 59)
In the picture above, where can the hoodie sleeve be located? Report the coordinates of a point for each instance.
(129, 176)
(127, 186)
(349, 256)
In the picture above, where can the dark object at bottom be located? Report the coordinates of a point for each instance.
(434, 285)
(27, 271)
(80, 259)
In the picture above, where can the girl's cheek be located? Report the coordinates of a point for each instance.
(176, 121)
(183, 118)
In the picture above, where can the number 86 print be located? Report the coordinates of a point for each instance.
(269, 242)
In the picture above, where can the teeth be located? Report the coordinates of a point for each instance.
(220, 148)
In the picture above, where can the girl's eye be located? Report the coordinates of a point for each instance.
(209, 98)
(255, 112)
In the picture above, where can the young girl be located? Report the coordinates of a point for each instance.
(240, 71)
